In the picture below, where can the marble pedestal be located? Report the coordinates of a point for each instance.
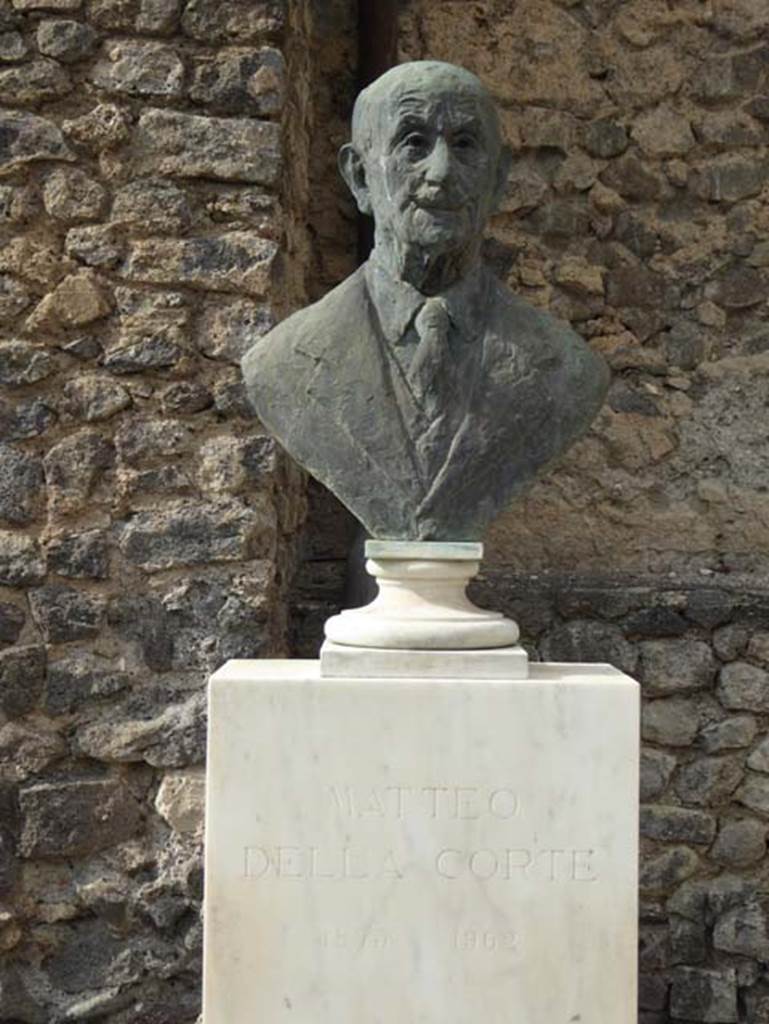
(421, 851)
(421, 603)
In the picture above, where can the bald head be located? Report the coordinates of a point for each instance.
(377, 103)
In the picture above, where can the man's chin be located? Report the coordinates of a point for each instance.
(445, 229)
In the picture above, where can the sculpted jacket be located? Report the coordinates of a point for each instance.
(325, 383)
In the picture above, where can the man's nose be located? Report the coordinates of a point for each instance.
(438, 163)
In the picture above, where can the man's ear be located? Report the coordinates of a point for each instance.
(503, 173)
(354, 173)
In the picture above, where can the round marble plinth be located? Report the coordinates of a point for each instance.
(421, 604)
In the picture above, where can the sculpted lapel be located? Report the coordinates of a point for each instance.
(319, 385)
(353, 371)
(508, 433)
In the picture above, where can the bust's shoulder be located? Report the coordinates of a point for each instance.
(545, 342)
(517, 319)
(279, 367)
(316, 326)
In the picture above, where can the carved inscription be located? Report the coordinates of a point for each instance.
(465, 940)
(428, 835)
(357, 861)
(485, 940)
(455, 803)
(347, 862)
(356, 939)
(545, 865)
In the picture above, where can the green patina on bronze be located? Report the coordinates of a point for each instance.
(422, 391)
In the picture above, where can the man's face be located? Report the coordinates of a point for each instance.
(432, 169)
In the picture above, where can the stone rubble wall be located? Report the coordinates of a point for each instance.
(164, 198)
(167, 191)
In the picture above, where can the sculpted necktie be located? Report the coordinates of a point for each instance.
(431, 370)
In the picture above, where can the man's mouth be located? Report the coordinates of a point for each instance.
(437, 205)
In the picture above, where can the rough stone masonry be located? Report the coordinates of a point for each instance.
(158, 210)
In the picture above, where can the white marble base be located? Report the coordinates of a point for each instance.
(340, 662)
(421, 604)
(421, 852)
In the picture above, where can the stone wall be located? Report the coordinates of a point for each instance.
(164, 198)
(167, 190)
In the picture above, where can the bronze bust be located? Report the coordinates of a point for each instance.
(422, 391)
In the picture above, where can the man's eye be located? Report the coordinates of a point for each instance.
(415, 140)
(464, 142)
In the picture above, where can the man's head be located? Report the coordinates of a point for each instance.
(426, 158)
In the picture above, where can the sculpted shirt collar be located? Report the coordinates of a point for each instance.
(397, 302)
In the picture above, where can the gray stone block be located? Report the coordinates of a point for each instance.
(67, 819)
